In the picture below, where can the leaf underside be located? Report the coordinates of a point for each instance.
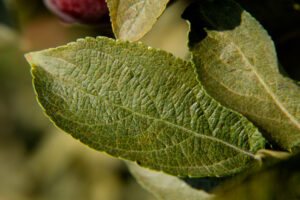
(166, 187)
(236, 62)
(143, 105)
(131, 20)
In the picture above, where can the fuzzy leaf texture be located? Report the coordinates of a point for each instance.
(143, 105)
(166, 187)
(236, 62)
(132, 19)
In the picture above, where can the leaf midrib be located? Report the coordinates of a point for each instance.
(267, 89)
(135, 18)
(150, 117)
(185, 129)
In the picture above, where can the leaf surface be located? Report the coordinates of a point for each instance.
(132, 19)
(141, 104)
(236, 62)
(164, 186)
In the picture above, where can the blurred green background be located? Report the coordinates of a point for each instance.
(38, 161)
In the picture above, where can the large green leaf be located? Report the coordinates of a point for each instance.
(236, 62)
(132, 19)
(141, 104)
(164, 186)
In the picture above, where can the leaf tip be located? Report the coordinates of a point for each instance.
(28, 57)
(33, 58)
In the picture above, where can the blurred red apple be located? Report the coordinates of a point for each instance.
(78, 11)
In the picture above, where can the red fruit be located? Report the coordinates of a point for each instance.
(82, 11)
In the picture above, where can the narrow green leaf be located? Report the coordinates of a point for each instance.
(141, 104)
(132, 19)
(164, 186)
(276, 182)
(236, 62)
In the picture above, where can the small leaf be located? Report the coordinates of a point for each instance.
(132, 19)
(236, 62)
(164, 186)
(141, 104)
(266, 154)
(276, 182)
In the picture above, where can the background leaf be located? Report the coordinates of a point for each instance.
(236, 62)
(132, 19)
(280, 19)
(164, 186)
(141, 104)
